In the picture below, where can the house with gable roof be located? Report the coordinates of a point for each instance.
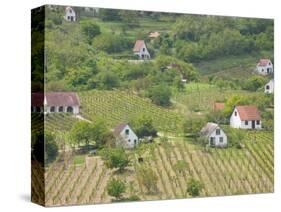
(264, 67)
(246, 117)
(70, 14)
(125, 136)
(214, 134)
(140, 49)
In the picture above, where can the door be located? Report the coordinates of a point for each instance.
(212, 141)
(253, 124)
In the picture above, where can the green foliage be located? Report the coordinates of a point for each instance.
(194, 187)
(116, 188)
(181, 166)
(254, 83)
(115, 158)
(44, 147)
(90, 30)
(147, 178)
(160, 95)
(86, 132)
(143, 127)
(111, 43)
(192, 126)
(235, 137)
(232, 102)
(129, 18)
(211, 37)
(109, 14)
(107, 80)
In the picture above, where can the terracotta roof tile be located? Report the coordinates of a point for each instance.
(138, 45)
(218, 106)
(248, 112)
(263, 62)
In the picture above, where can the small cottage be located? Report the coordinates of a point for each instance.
(264, 67)
(269, 87)
(55, 102)
(214, 134)
(218, 106)
(70, 14)
(125, 136)
(141, 50)
(246, 117)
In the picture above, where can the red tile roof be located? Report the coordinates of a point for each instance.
(263, 62)
(118, 129)
(218, 106)
(248, 112)
(55, 99)
(138, 45)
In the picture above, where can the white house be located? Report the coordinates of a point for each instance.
(246, 117)
(55, 102)
(215, 135)
(264, 67)
(125, 136)
(70, 14)
(141, 50)
(269, 87)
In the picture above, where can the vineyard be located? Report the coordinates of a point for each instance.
(59, 122)
(223, 171)
(119, 106)
(201, 97)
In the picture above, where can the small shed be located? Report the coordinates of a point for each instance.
(214, 134)
(70, 14)
(125, 136)
(264, 67)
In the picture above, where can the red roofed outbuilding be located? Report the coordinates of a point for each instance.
(246, 117)
(218, 106)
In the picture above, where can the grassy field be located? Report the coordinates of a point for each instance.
(223, 171)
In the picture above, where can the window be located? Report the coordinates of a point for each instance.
(212, 141)
(52, 109)
(129, 140)
(221, 139)
(235, 113)
(267, 87)
(69, 109)
(262, 70)
(143, 49)
(127, 131)
(61, 109)
(258, 122)
(218, 132)
(246, 122)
